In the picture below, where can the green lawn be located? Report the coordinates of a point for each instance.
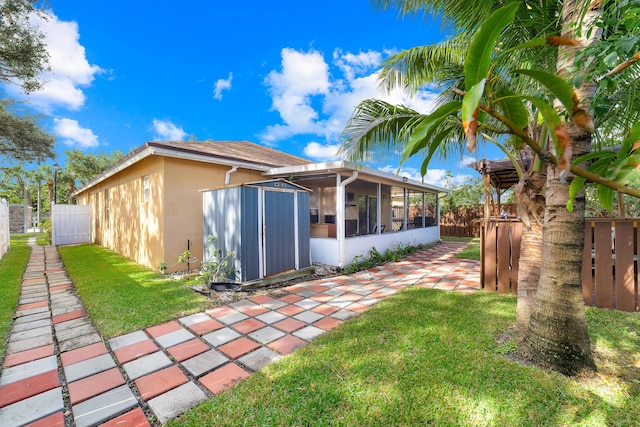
(122, 296)
(12, 268)
(472, 251)
(426, 357)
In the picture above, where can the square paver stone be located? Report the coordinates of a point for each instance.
(248, 325)
(133, 351)
(266, 335)
(175, 337)
(147, 364)
(274, 304)
(223, 378)
(89, 387)
(205, 362)
(187, 350)
(206, 327)
(174, 402)
(308, 316)
(237, 348)
(231, 318)
(307, 303)
(309, 333)
(193, 319)
(88, 367)
(128, 339)
(271, 317)
(29, 410)
(287, 344)
(104, 406)
(221, 336)
(159, 382)
(343, 314)
(259, 359)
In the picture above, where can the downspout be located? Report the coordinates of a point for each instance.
(227, 176)
(340, 211)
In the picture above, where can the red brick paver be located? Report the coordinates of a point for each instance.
(287, 344)
(53, 420)
(159, 382)
(239, 347)
(248, 325)
(163, 329)
(205, 327)
(223, 378)
(68, 316)
(134, 418)
(136, 350)
(187, 350)
(28, 387)
(83, 353)
(28, 355)
(289, 325)
(89, 387)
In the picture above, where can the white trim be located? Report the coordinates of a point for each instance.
(343, 166)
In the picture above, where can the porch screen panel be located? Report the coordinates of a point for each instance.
(279, 232)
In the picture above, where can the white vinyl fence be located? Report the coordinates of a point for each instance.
(4, 227)
(70, 224)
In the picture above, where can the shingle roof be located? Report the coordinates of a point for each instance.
(243, 151)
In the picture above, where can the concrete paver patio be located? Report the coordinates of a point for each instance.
(58, 370)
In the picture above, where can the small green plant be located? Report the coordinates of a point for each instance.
(162, 267)
(218, 266)
(46, 228)
(376, 258)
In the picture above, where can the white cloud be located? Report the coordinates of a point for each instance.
(312, 101)
(222, 85)
(322, 153)
(165, 130)
(433, 176)
(70, 70)
(73, 134)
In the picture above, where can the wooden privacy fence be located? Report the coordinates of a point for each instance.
(609, 266)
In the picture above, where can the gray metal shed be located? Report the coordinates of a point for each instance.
(266, 224)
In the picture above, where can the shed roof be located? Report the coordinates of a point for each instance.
(501, 172)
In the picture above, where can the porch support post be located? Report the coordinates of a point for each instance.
(340, 218)
(379, 209)
(340, 211)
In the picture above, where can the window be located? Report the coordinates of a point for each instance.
(106, 208)
(147, 189)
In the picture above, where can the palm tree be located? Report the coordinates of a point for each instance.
(375, 125)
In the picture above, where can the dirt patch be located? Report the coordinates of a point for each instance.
(274, 290)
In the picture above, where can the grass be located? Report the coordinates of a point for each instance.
(426, 357)
(472, 251)
(12, 268)
(122, 296)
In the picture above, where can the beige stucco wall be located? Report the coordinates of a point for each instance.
(157, 231)
(183, 202)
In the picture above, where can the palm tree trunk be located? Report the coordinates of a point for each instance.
(557, 335)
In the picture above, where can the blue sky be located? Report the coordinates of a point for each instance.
(285, 74)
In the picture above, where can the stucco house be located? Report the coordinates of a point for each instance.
(148, 206)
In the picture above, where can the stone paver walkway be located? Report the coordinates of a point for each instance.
(58, 371)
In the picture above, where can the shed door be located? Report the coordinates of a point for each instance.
(279, 232)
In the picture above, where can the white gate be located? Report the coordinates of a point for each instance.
(70, 224)
(4, 227)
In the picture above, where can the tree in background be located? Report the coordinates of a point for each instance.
(84, 167)
(23, 57)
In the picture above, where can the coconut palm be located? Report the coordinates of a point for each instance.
(557, 331)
